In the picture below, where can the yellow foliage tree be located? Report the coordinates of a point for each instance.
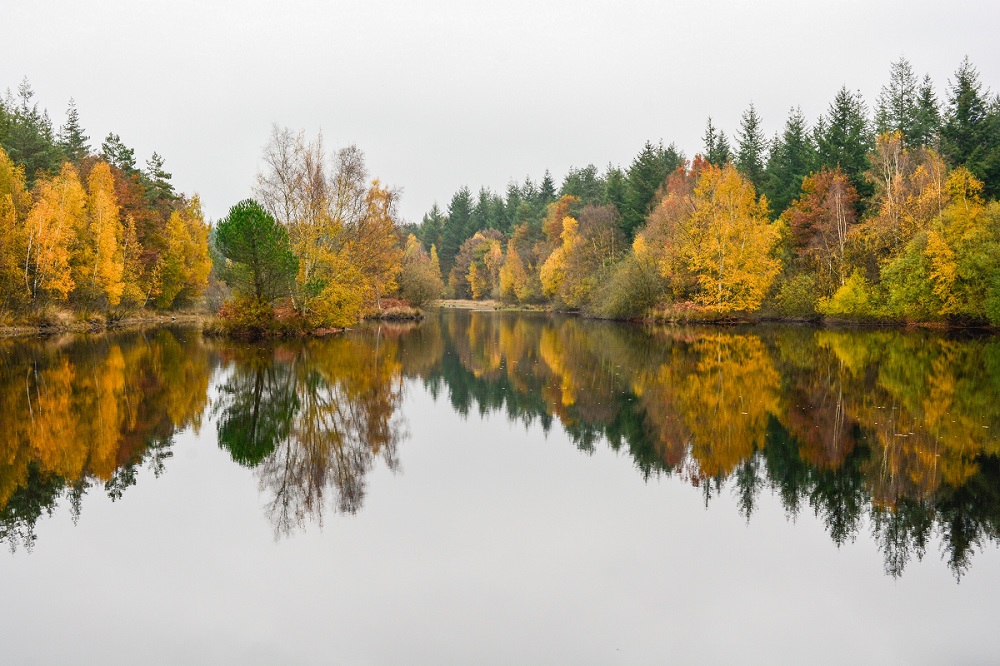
(15, 202)
(99, 262)
(553, 272)
(729, 242)
(59, 211)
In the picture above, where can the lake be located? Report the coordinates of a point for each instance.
(502, 488)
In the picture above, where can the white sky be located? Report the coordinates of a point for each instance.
(445, 93)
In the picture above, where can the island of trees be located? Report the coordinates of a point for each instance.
(884, 216)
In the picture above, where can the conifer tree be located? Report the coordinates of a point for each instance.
(717, 150)
(792, 157)
(927, 118)
(897, 102)
(970, 134)
(157, 180)
(117, 154)
(72, 140)
(844, 138)
(648, 171)
(751, 154)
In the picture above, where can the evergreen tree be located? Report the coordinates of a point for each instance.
(481, 215)
(615, 188)
(157, 181)
(30, 140)
(717, 150)
(585, 184)
(431, 228)
(792, 157)
(261, 262)
(751, 155)
(512, 204)
(547, 190)
(117, 154)
(897, 102)
(72, 140)
(645, 175)
(844, 138)
(970, 134)
(455, 226)
(927, 118)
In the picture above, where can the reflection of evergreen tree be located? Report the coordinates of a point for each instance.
(257, 403)
(36, 496)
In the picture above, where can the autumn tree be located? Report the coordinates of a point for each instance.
(419, 280)
(819, 222)
(729, 242)
(15, 202)
(99, 260)
(58, 212)
(182, 273)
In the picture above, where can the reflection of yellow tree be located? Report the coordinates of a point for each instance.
(726, 398)
(928, 402)
(81, 409)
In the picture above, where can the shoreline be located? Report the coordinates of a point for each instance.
(140, 320)
(489, 305)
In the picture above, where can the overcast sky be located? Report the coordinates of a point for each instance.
(441, 94)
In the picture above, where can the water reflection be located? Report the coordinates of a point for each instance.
(311, 418)
(889, 431)
(89, 411)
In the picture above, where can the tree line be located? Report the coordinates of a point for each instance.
(890, 213)
(87, 228)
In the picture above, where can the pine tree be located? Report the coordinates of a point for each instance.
(648, 171)
(157, 181)
(117, 154)
(791, 159)
(30, 140)
(717, 150)
(897, 102)
(844, 138)
(751, 157)
(970, 134)
(431, 227)
(72, 140)
(614, 188)
(547, 190)
(455, 225)
(927, 119)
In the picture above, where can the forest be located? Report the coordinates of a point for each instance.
(885, 214)
(87, 233)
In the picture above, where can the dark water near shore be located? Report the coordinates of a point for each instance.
(501, 488)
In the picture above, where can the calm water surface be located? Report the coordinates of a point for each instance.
(501, 488)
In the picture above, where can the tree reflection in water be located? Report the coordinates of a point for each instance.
(894, 428)
(81, 411)
(889, 431)
(312, 418)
